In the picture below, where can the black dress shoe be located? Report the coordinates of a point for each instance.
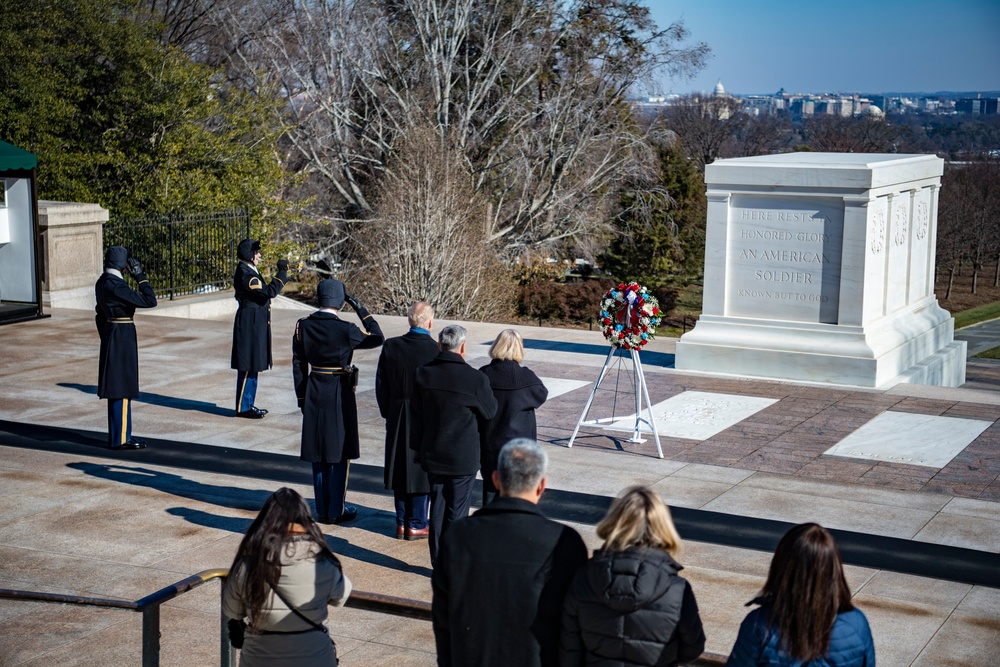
(132, 443)
(350, 514)
(260, 410)
(252, 413)
(322, 518)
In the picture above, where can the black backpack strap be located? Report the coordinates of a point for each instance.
(314, 624)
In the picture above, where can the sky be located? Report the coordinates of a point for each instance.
(873, 46)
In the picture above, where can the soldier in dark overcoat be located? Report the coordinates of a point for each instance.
(322, 350)
(394, 391)
(118, 370)
(252, 328)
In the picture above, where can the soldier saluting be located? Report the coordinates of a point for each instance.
(322, 351)
(118, 372)
(252, 328)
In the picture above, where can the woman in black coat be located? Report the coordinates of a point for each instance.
(518, 392)
(628, 605)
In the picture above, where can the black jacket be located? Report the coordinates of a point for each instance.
(395, 393)
(630, 608)
(518, 392)
(453, 397)
(118, 369)
(322, 342)
(252, 327)
(499, 581)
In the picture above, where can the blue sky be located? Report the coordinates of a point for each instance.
(759, 46)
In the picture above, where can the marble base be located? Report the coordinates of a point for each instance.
(915, 346)
(902, 437)
(696, 415)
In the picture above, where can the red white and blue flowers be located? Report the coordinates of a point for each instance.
(629, 316)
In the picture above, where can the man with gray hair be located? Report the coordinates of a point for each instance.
(452, 398)
(501, 575)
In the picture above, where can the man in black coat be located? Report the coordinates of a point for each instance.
(118, 372)
(394, 391)
(453, 398)
(322, 350)
(502, 574)
(252, 327)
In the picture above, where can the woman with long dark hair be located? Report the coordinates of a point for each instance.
(805, 615)
(628, 605)
(282, 579)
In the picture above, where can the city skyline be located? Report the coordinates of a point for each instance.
(851, 46)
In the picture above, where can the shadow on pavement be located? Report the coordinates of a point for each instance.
(649, 358)
(161, 400)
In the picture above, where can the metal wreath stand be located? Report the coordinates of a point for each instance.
(639, 390)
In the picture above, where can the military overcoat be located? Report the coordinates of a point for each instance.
(118, 370)
(252, 327)
(394, 391)
(323, 345)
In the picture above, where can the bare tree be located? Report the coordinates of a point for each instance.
(842, 134)
(430, 240)
(969, 216)
(705, 125)
(532, 92)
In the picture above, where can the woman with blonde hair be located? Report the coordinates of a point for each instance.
(519, 393)
(805, 614)
(628, 605)
(282, 579)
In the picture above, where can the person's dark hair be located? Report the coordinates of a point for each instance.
(805, 590)
(521, 465)
(452, 337)
(259, 554)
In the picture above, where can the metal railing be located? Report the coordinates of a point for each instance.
(183, 253)
(149, 606)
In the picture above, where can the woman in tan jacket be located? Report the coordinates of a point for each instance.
(282, 579)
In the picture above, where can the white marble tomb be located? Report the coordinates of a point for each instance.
(820, 267)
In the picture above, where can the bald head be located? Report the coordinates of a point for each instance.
(420, 315)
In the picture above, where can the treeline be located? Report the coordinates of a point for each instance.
(435, 149)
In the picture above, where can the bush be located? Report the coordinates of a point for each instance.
(570, 302)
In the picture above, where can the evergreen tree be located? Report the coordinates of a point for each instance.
(660, 237)
(120, 120)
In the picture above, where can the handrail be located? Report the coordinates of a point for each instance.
(150, 608)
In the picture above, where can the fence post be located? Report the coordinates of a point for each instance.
(151, 636)
(170, 225)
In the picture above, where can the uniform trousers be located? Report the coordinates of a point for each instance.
(119, 421)
(246, 390)
(451, 498)
(330, 488)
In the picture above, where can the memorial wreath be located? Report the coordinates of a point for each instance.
(629, 316)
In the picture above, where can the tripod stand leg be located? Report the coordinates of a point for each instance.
(586, 408)
(649, 404)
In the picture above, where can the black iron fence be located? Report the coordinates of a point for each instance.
(183, 253)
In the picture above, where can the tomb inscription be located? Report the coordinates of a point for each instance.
(783, 258)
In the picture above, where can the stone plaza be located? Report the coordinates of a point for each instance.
(906, 475)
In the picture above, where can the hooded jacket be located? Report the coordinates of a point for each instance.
(630, 608)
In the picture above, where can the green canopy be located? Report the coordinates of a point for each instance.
(13, 158)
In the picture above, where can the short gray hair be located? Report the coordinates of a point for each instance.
(521, 466)
(452, 337)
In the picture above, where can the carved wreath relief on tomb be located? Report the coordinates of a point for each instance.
(923, 218)
(901, 225)
(878, 232)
